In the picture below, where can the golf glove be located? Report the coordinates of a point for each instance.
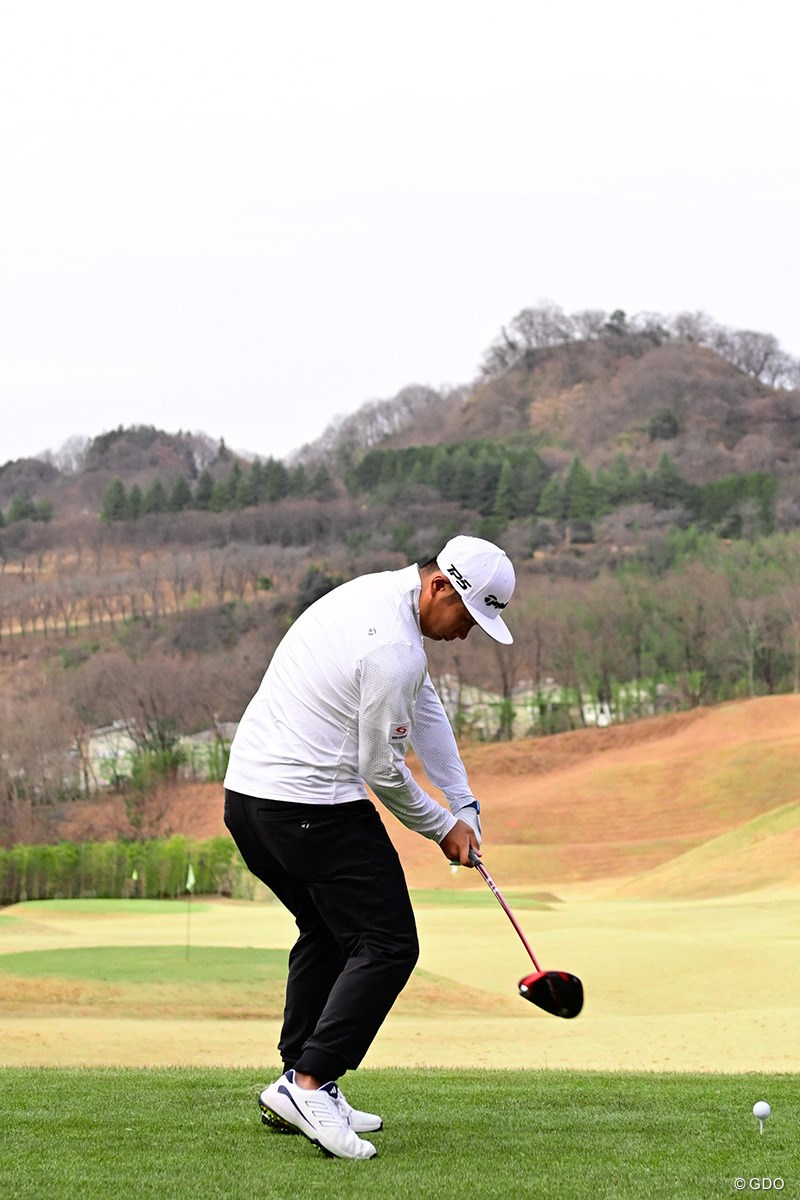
(471, 815)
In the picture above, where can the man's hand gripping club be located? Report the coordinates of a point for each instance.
(456, 844)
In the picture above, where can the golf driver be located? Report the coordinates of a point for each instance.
(556, 992)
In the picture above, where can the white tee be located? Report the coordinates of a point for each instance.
(346, 691)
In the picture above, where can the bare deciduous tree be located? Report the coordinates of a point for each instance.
(589, 323)
(34, 763)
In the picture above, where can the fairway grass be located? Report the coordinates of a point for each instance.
(710, 985)
(169, 1134)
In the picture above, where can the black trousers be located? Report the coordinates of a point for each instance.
(335, 869)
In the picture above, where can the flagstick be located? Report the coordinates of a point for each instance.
(190, 885)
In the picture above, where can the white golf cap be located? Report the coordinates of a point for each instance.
(484, 578)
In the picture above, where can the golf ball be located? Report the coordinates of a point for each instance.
(761, 1110)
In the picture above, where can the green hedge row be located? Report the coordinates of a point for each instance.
(151, 869)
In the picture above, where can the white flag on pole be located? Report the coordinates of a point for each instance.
(190, 879)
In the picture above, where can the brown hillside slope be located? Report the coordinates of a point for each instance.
(594, 805)
(598, 398)
(627, 809)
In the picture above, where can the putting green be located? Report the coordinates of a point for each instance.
(138, 908)
(146, 964)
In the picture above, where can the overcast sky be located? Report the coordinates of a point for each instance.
(246, 218)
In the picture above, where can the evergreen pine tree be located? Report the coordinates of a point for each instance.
(257, 481)
(666, 486)
(245, 494)
(236, 493)
(220, 498)
(322, 485)
(154, 499)
(551, 501)
(113, 506)
(443, 472)
(579, 495)
(488, 464)
(298, 481)
(505, 496)
(529, 481)
(134, 503)
(202, 493)
(465, 477)
(22, 508)
(181, 495)
(276, 480)
(620, 482)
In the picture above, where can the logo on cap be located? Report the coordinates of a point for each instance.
(492, 602)
(459, 578)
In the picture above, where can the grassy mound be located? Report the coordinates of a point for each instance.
(764, 850)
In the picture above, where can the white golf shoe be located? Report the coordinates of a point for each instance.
(316, 1114)
(359, 1122)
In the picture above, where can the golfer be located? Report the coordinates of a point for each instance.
(345, 694)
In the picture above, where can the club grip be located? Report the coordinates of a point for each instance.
(473, 858)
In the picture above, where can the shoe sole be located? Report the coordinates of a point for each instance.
(318, 1146)
(275, 1121)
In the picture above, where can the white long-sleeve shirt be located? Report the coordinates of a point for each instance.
(346, 691)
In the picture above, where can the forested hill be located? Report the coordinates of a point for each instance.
(603, 388)
(720, 401)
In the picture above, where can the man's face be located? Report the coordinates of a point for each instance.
(445, 618)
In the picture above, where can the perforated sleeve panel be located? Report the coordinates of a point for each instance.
(435, 744)
(390, 679)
